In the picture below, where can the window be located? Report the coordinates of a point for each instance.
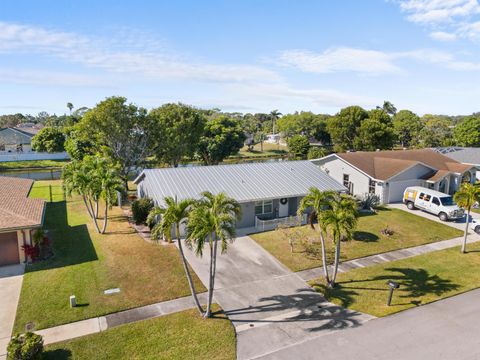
(447, 201)
(421, 196)
(263, 207)
(436, 201)
(346, 180)
(427, 197)
(371, 186)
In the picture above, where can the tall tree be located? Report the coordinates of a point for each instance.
(389, 108)
(212, 220)
(343, 127)
(121, 131)
(274, 115)
(178, 129)
(466, 197)
(467, 133)
(436, 132)
(172, 216)
(407, 126)
(70, 107)
(374, 133)
(298, 146)
(49, 139)
(221, 138)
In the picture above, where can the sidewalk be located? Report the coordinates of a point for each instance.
(371, 260)
(102, 323)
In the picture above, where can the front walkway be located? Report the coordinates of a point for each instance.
(11, 278)
(270, 306)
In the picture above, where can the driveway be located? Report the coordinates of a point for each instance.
(10, 286)
(446, 329)
(270, 306)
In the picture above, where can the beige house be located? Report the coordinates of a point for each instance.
(388, 173)
(20, 216)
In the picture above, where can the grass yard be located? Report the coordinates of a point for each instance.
(409, 230)
(43, 189)
(32, 164)
(422, 279)
(269, 150)
(183, 335)
(87, 263)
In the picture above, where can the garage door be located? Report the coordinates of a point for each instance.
(396, 189)
(9, 249)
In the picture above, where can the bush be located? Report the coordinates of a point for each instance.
(298, 146)
(140, 210)
(316, 152)
(25, 347)
(369, 202)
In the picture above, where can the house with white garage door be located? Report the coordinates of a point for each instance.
(20, 216)
(388, 173)
(269, 193)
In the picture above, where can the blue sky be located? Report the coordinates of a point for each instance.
(248, 56)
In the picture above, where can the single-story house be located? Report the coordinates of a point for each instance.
(388, 173)
(20, 216)
(465, 155)
(15, 140)
(269, 193)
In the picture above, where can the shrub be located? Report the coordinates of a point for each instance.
(316, 152)
(140, 210)
(369, 201)
(25, 347)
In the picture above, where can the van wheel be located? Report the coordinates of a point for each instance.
(410, 205)
(443, 216)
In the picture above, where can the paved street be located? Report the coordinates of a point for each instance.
(270, 306)
(447, 329)
(10, 286)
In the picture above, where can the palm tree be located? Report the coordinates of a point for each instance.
(174, 214)
(318, 201)
(110, 183)
(466, 197)
(212, 219)
(274, 115)
(340, 220)
(70, 107)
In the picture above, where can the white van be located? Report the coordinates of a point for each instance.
(434, 202)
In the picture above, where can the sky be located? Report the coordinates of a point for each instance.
(241, 55)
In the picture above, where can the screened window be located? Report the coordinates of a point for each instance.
(263, 207)
(371, 186)
(346, 180)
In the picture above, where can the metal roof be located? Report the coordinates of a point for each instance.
(243, 182)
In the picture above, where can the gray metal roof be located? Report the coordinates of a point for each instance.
(466, 155)
(243, 182)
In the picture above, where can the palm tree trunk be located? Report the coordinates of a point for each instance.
(187, 272)
(96, 209)
(94, 217)
(464, 244)
(324, 258)
(210, 282)
(105, 219)
(335, 265)
(215, 246)
(86, 205)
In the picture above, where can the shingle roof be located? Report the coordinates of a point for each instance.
(383, 165)
(243, 182)
(16, 209)
(461, 154)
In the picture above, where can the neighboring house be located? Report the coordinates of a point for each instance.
(20, 216)
(465, 155)
(269, 193)
(388, 173)
(13, 140)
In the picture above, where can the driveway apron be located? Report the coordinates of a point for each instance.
(269, 306)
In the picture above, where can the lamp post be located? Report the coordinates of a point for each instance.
(393, 285)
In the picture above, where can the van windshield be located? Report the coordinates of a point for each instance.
(447, 201)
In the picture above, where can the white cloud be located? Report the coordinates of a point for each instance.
(40, 77)
(140, 54)
(370, 62)
(443, 36)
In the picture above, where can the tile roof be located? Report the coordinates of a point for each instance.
(16, 209)
(243, 182)
(383, 165)
(466, 155)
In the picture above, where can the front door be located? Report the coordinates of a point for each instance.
(283, 208)
(9, 249)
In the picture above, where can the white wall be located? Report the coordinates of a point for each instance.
(6, 157)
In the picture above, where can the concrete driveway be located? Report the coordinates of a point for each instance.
(446, 329)
(270, 306)
(10, 286)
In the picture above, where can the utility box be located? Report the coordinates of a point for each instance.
(73, 301)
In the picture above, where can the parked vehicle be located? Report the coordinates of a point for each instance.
(475, 225)
(434, 202)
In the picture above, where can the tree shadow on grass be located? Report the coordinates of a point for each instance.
(71, 244)
(365, 236)
(305, 305)
(58, 354)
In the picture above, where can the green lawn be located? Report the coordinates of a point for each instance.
(86, 264)
(269, 150)
(183, 335)
(43, 189)
(422, 279)
(32, 164)
(409, 230)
